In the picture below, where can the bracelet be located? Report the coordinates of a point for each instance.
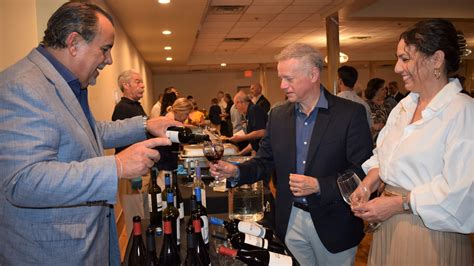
(121, 167)
(145, 122)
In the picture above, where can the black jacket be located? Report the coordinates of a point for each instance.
(340, 140)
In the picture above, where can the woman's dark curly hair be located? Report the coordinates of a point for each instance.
(429, 36)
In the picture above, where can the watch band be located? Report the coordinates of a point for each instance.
(406, 203)
(145, 119)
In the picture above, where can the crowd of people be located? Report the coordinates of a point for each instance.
(58, 187)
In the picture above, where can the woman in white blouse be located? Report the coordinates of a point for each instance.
(425, 156)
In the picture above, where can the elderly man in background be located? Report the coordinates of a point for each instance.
(131, 84)
(58, 188)
(308, 142)
(258, 98)
(256, 120)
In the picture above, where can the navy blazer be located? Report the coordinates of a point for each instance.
(341, 140)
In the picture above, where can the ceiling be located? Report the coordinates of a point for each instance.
(206, 33)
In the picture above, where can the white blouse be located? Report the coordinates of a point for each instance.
(432, 157)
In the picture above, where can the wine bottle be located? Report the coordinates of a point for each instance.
(172, 214)
(151, 259)
(169, 251)
(168, 188)
(177, 194)
(234, 226)
(258, 257)
(155, 205)
(197, 182)
(201, 211)
(201, 247)
(250, 242)
(185, 135)
(137, 255)
(192, 257)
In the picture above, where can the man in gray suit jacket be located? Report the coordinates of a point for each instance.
(57, 187)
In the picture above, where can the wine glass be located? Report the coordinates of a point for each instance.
(348, 182)
(213, 151)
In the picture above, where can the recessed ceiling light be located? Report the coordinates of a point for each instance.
(223, 64)
(164, 1)
(166, 32)
(167, 47)
(169, 58)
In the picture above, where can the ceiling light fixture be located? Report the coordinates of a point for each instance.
(164, 1)
(167, 48)
(169, 58)
(223, 64)
(343, 58)
(166, 32)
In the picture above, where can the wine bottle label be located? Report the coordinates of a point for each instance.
(181, 210)
(150, 200)
(251, 229)
(203, 197)
(279, 259)
(173, 136)
(178, 234)
(256, 241)
(205, 229)
(159, 204)
(164, 204)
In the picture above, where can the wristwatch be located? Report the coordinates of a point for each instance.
(406, 204)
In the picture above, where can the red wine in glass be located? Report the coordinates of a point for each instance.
(213, 150)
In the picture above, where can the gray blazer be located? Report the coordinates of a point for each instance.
(57, 187)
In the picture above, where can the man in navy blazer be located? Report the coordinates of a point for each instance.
(57, 187)
(308, 142)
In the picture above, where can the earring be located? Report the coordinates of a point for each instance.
(437, 73)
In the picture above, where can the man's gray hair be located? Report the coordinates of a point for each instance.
(125, 77)
(309, 55)
(243, 97)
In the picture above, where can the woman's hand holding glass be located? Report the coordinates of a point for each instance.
(355, 193)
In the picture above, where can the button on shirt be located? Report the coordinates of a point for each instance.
(304, 129)
(72, 81)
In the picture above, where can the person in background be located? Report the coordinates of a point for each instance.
(131, 84)
(168, 100)
(394, 93)
(58, 187)
(258, 98)
(347, 79)
(197, 117)
(256, 119)
(425, 156)
(156, 109)
(308, 142)
(220, 101)
(226, 124)
(379, 107)
(215, 115)
(179, 111)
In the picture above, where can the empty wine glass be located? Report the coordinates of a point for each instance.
(213, 151)
(348, 182)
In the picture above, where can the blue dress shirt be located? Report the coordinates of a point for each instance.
(304, 129)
